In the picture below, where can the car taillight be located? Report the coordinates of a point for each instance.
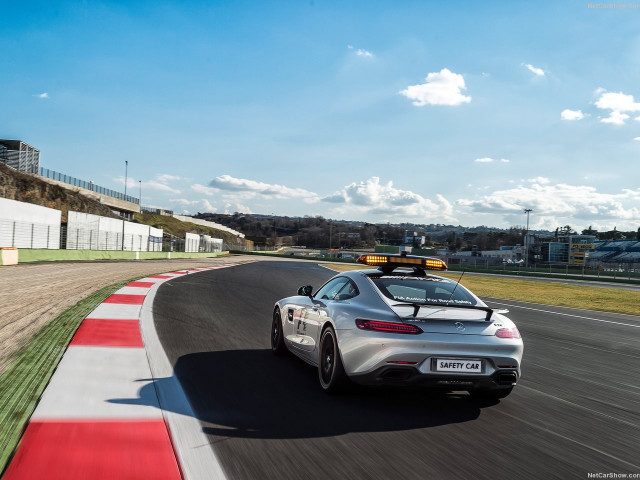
(508, 333)
(387, 327)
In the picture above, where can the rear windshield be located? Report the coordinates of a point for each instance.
(423, 290)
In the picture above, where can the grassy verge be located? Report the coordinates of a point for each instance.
(546, 293)
(23, 383)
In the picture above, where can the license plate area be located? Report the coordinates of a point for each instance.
(457, 365)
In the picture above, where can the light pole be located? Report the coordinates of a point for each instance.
(140, 199)
(526, 238)
(126, 170)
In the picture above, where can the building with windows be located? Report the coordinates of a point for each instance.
(571, 249)
(20, 156)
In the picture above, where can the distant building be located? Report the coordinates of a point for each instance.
(414, 238)
(20, 155)
(570, 249)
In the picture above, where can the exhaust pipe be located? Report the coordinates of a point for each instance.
(507, 378)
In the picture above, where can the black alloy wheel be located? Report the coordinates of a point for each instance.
(330, 370)
(277, 339)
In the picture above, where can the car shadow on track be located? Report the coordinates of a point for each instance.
(253, 394)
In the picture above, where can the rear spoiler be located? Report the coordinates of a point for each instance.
(417, 306)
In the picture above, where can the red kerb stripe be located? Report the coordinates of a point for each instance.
(125, 299)
(101, 332)
(160, 276)
(98, 450)
(141, 284)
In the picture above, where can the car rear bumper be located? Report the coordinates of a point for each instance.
(396, 375)
(393, 359)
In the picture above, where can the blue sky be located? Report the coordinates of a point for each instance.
(460, 112)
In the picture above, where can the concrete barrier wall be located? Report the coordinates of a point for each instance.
(25, 225)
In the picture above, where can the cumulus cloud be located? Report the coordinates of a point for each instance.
(559, 204)
(361, 52)
(505, 160)
(615, 118)
(637, 139)
(617, 103)
(155, 185)
(372, 197)
(536, 71)
(567, 114)
(441, 88)
(42, 95)
(251, 189)
(484, 160)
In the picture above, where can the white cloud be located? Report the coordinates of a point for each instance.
(536, 71)
(250, 189)
(373, 198)
(42, 95)
(484, 160)
(155, 185)
(559, 204)
(539, 180)
(617, 103)
(441, 88)
(567, 114)
(637, 139)
(183, 201)
(230, 208)
(361, 52)
(207, 207)
(615, 118)
(505, 160)
(166, 178)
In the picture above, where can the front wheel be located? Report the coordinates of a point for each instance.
(277, 338)
(330, 370)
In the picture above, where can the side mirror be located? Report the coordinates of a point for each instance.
(305, 291)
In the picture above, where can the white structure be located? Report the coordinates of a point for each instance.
(25, 225)
(93, 232)
(192, 242)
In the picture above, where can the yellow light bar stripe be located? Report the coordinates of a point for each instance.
(379, 260)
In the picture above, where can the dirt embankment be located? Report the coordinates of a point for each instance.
(23, 187)
(34, 294)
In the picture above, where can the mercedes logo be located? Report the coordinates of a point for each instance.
(459, 326)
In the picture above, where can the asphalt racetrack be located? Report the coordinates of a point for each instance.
(575, 411)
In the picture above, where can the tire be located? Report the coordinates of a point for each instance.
(497, 394)
(333, 378)
(277, 338)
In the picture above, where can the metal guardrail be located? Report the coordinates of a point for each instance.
(61, 177)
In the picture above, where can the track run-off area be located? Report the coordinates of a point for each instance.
(575, 412)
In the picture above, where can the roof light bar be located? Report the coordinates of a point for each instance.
(393, 261)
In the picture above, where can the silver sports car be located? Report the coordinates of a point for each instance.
(399, 325)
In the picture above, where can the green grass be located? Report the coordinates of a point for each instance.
(23, 383)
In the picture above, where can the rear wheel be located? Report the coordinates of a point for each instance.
(330, 370)
(277, 339)
(495, 394)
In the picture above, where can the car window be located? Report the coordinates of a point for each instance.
(423, 290)
(339, 288)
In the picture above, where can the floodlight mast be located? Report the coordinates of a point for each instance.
(526, 239)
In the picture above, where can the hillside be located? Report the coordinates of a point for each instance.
(177, 228)
(27, 188)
